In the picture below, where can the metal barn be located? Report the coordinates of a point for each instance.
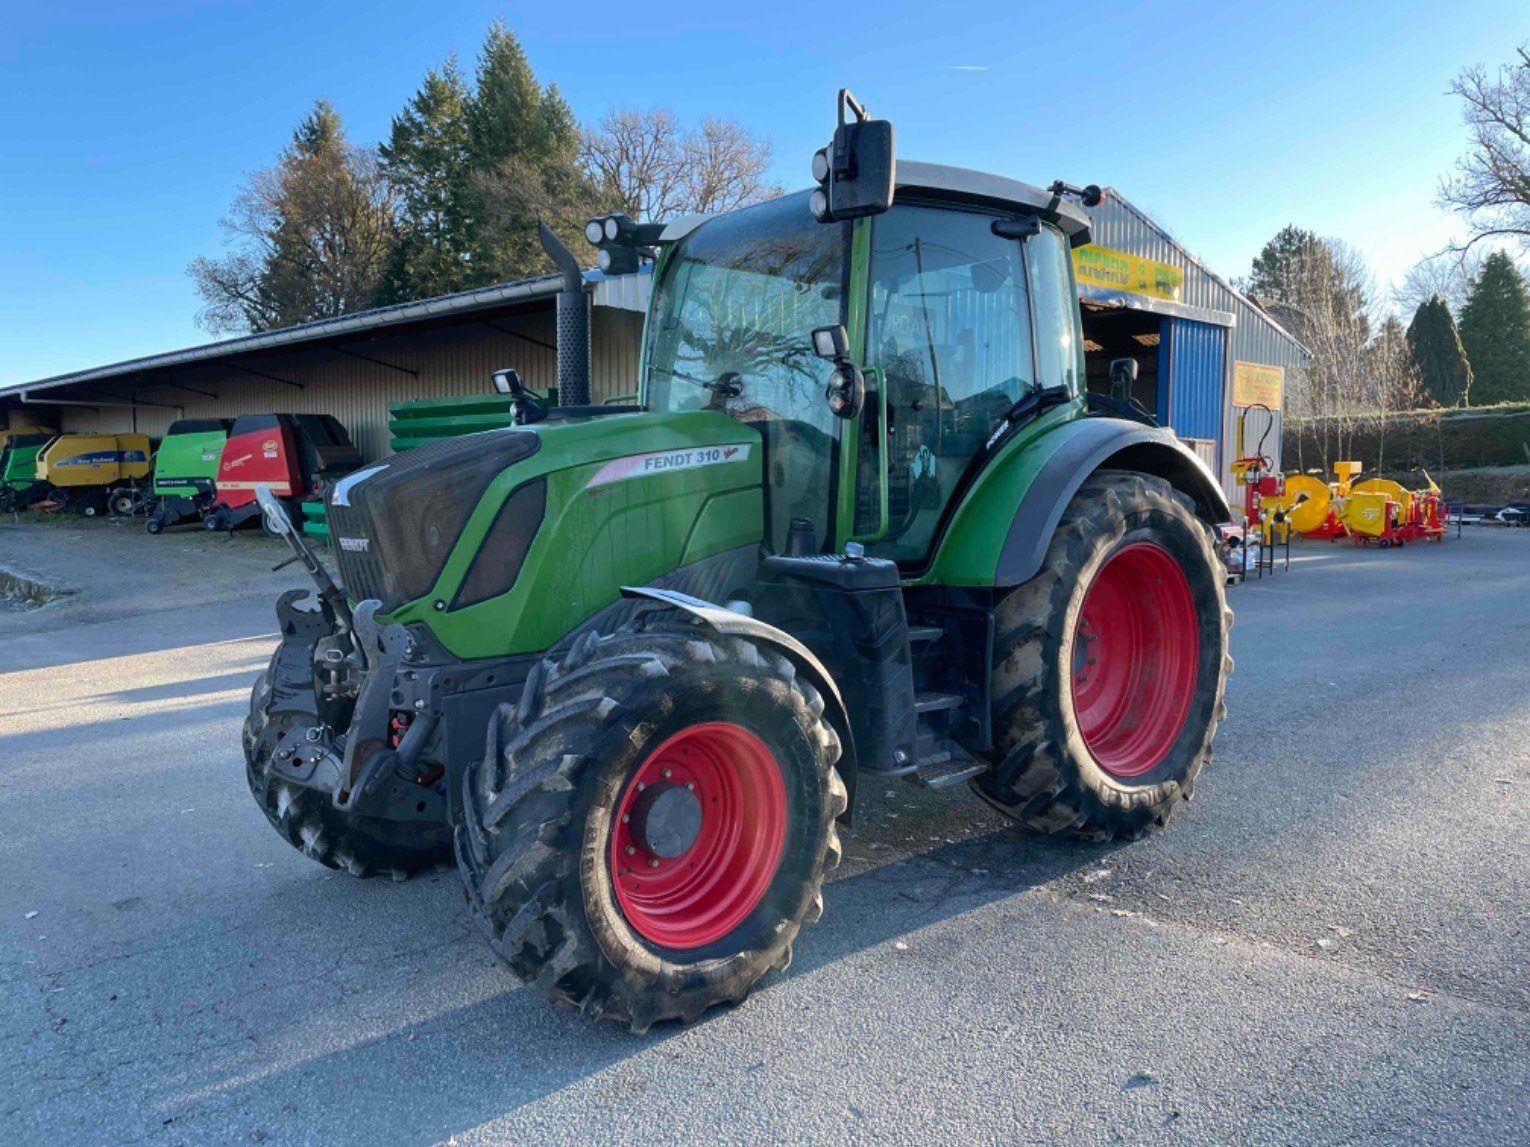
(1204, 350)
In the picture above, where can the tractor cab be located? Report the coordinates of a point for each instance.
(958, 303)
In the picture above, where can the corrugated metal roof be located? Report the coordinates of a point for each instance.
(1119, 224)
(624, 292)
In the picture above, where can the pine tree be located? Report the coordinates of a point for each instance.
(523, 146)
(1495, 331)
(425, 162)
(1434, 346)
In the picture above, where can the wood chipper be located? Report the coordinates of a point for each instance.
(631, 663)
(86, 472)
(19, 486)
(186, 471)
(1371, 510)
(294, 456)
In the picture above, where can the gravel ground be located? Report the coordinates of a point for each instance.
(1328, 946)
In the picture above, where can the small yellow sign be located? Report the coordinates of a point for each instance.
(1257, 385)
(1118, 271)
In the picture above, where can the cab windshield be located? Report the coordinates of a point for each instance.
(730, 331)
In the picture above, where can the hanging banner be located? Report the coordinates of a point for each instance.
(1257, 385)
(1118, 271)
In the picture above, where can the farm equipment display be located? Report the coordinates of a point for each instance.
(630, 664)
(294, 456)
(186, 471)
(1375, 510)
(19, 486)
(91, 473)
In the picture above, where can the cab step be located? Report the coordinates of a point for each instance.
(945, 764)
(935, 702)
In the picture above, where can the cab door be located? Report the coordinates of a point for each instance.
(960, 323)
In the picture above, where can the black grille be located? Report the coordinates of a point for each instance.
(350, 538)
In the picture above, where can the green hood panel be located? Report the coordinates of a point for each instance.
(629, 497)
(968, 551)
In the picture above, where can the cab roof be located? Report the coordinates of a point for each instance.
(990, 190)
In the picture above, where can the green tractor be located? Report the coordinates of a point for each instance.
(631, 663)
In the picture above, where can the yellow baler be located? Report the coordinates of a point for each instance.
(85, 471)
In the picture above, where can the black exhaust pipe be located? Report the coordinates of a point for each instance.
(573, 323)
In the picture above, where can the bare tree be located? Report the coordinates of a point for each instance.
(1491, 186)
(1449, 274)
(1391, 383)
(646, 164)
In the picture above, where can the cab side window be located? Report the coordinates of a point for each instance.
(1059, 347)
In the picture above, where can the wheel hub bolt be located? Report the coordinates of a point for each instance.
(653, 862)
(630, 849)
(668, 773)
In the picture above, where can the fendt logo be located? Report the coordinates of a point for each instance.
(667, 461)
(356, 545)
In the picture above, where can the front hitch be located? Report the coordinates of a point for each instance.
(331, 595)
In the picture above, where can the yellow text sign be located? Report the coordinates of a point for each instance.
(1257, 385)
(1118, 271)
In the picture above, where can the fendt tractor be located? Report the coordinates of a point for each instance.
(631, 662)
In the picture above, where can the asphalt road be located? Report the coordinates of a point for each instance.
(1330, 945)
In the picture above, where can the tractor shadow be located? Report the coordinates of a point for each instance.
(509, 1049)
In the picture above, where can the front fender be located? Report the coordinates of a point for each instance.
(1000, 532)
(742, 625)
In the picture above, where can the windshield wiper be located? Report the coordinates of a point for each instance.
(729, 383)
(1030, 406)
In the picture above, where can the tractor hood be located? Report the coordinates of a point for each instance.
(503, 541)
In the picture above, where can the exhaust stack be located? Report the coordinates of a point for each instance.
(573, 323)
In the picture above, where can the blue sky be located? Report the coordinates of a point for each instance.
(129, 127)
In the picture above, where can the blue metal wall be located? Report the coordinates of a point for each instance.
(1197, 370)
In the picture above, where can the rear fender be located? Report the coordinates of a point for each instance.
(1093, 444)
(726, 621)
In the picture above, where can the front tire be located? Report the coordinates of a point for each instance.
(584, 889)
(1110, 665)
(309, 821)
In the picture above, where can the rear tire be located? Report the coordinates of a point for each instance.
(542, 845)
(1108, 747)
(309, 821)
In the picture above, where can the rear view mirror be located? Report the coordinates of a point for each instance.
(508, 381)
(855, 173)
(1123, 375)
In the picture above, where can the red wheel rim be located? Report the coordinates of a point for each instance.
(1136, 650)
(690, 888)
